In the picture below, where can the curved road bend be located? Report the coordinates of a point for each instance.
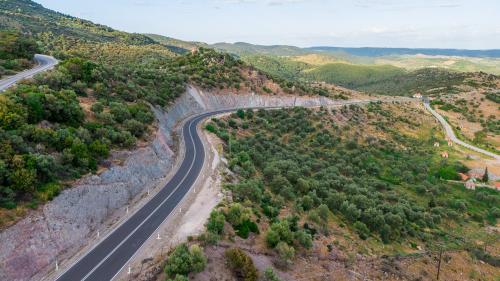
(111, 255)
(451, 135)
(44, 63)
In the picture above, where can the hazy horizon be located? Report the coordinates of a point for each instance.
(443, 24)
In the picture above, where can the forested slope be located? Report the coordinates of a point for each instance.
(351, 189)
(65, 122)
(16, 52)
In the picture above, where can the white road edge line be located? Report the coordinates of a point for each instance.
(166, 218)
(150, 215)
(110, 233)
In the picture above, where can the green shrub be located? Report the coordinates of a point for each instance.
(216, 221)
(286, 254)
(241, 264)
(362, 230)
(270, 275)
(184, 260)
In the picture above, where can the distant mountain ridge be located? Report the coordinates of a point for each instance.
(378, 52)
(241, 48)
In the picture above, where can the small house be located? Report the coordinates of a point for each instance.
(436, 144)
(470, 184)
(417, 96)
(476, 173)
(450, 143)
(444, 154)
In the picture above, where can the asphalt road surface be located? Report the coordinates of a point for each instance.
(44, 63)
(112, 254)
(451, 135)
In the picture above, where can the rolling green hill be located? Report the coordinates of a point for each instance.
(175, 45)
(378, 79)
(241, 48)
(32, 18)
(353, 76)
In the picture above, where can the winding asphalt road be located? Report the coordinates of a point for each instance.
(451, 134)
(108, 257)
(111, 255)
(44, 63)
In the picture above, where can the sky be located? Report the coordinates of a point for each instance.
(462, 24)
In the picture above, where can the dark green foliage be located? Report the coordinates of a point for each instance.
(495, 97)
(362, 230)
(184, 260)
(244, 229)
(485, 175)
(240, 218)
(216, 221)
(241, 264)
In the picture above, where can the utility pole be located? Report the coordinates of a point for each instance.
(439, 262)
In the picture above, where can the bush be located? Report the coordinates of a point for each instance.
(286, 254)
(178, 277)
(272, 238)
(185, 260)
(211, 128)
(241, 264)
(362, 230)
(135, 127)
(269, 275)
(244, 229)
(216, 221)
(304, 239)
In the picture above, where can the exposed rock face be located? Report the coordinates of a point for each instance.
(62, 227)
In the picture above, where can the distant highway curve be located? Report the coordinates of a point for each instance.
(44, 63)
(451, 134)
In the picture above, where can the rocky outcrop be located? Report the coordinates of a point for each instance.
(60, 229)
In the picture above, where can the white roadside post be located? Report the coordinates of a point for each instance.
(57, 266)
(158, 237)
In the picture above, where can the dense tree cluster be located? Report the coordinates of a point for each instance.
(300, 158)
(46, 134)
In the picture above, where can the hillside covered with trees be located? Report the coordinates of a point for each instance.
(16, 52)
(316, 181)
(65, 122)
